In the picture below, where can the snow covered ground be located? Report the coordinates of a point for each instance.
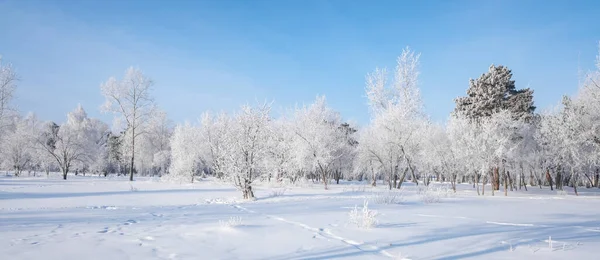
(97, 218)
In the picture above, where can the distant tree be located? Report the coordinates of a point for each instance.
(130, 99)
(99, 133)
(392, 141)
(185, 156)
(214, 134)
(18, 146)
(70, 143)
(344, 165)
(281, 162)
(494, 92)
(157, 139)
(8, 79)
(115, 155)
(318, 138)
(246, 147)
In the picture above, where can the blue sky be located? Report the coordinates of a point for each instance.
(217, 55)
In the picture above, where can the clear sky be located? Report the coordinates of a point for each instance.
(217, 55)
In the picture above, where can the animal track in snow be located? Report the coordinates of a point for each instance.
(325, 233)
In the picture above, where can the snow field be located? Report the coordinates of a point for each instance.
(94, 218)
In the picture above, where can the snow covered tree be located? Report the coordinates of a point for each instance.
(158, 137)
(493, 92)
(281, 161)
(319, 139)
(185, 154)
(8, 79)
(46, 137)
(70, 143)
(130, 99)
(392, 139)
(246, 147)
(18, 147)
(347, 153)
(587, 102)
(438, 156)
(213, 134)
(98, 135)
(115, 154)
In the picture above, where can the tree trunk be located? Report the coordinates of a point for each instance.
(65, 172)
(401, 179)
(505, 183)
(575, 181)
(511, 183)
(247, 191)
(531, 178)
(323, 176)
(483, 181)
(414, 176)
(549, 178)
(496, 179)
(132, 153)
(453, 182)
(558, 182)
(597, 179)
(476, 181)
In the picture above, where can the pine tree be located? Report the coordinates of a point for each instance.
(493, 92)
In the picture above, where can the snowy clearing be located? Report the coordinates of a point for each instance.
(95, 218)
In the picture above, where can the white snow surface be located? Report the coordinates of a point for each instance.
(112, 218)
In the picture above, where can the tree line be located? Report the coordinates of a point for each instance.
(494, 137)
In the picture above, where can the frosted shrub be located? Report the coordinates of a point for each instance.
(278, 192)
(364, 217)
(232, 222)
(304, 183)
(225, 201)
(388, 197)
(133, 189)
(561, 193)
(354, 188)
(434, 194)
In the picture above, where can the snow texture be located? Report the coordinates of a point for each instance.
(98, 218)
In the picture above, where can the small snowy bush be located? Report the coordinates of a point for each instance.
(388, 197)
(232, 222)
(226, 201)
(561, 193)
(434, 194)
(354, 188)
(278, 192)
(401, 257)
(304, 183)
(133, 189)
(364, 217)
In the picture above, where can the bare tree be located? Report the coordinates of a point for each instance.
(130, 99)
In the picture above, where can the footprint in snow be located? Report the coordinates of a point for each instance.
(130, 222)
(148, 238)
